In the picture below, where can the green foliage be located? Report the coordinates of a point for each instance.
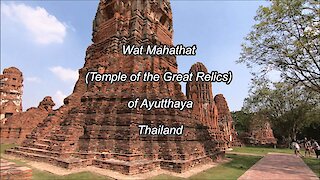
(289, 108)
(242, 121)
(286, 38)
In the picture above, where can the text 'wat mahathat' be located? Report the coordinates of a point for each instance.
(95, 127)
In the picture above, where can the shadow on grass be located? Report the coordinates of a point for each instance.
(241, 162)
(261, 150)
(231, 170)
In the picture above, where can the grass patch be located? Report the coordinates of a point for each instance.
(43, 175)
(3, 147)
(261, 150)
(165, 177)
(314, 165)
(231, 170)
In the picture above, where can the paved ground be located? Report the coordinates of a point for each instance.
(279, 166)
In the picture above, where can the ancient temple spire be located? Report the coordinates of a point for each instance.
(11, 90)
(133, 22)
(202, 90)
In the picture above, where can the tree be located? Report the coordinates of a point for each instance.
(286, 39)
(289, 107)
(242, 121)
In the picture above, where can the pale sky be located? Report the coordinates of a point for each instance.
(47, 41)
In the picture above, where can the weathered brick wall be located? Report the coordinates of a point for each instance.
(9, 170)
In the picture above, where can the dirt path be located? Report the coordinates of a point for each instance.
(243, 154)
(279, 166)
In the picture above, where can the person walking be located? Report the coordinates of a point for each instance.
(296, 148)
(316, 147)
(307, 147)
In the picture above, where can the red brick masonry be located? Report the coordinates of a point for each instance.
(9, 170)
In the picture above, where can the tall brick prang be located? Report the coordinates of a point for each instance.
(95, 126)
(225, 121)
(11, 90)
(204, 108)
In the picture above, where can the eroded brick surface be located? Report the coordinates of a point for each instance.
(16, 127)
(11, 171)
(205, 108)
(260, 133)
(225, 121)
(11, 89)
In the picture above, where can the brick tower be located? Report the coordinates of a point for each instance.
(11, 92)
(204, 107)
(225, 121)
(95, 126)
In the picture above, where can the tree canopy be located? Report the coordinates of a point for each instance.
(290, 108)
(286, 38)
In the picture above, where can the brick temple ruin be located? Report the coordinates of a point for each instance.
(95, 127)
(226, 122)
(263, 134)
(16, 127)
(260, 133)
(205, 107)
(11, 89)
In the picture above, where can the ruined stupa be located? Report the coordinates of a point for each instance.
(11, 90)
(17, 126)
(201, 94)
(260, 132)
(225, 121)
(263, 134)
(204, 107)
(95, 126)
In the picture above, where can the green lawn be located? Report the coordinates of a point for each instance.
(231, 170)
(39, 175)
(261, 150)
(3, 147)
(313, 164)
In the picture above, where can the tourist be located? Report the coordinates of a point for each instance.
(307, 147)
(316, 147)
(296, 148)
